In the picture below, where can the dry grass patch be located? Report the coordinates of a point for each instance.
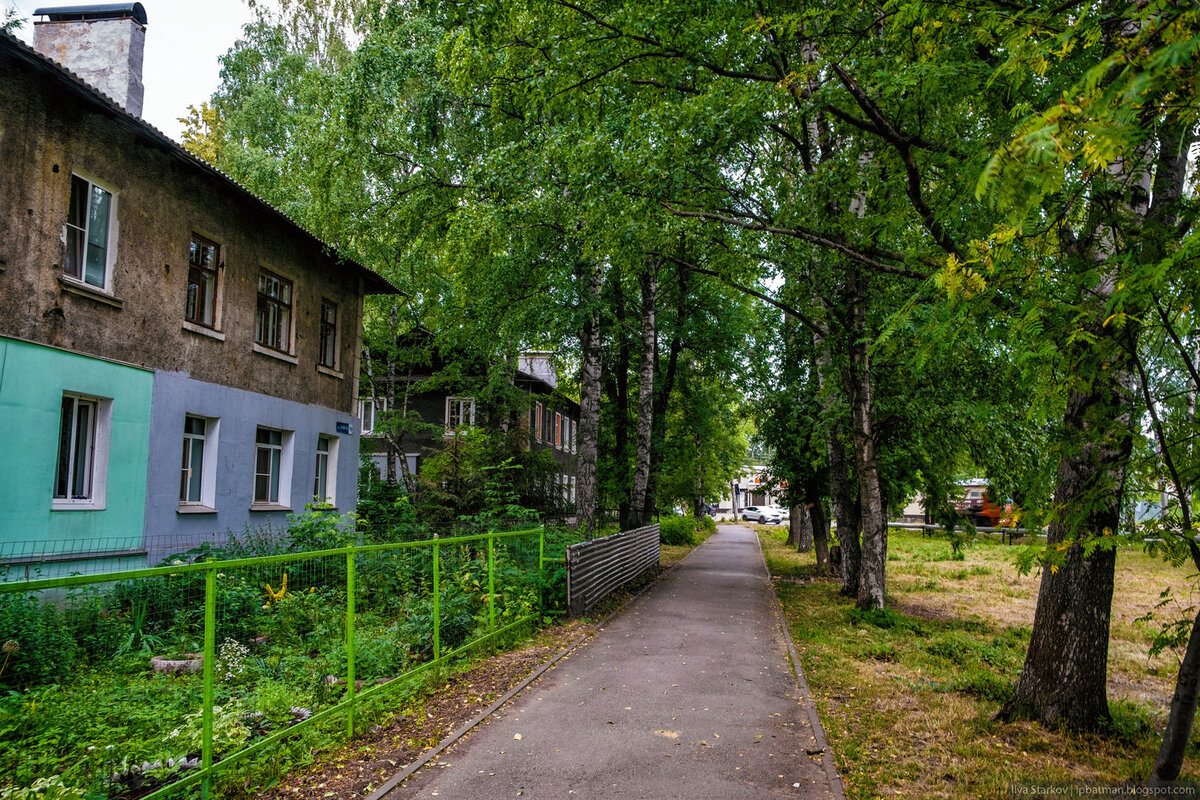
(907, 696)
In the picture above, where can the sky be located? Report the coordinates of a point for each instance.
(184, 39)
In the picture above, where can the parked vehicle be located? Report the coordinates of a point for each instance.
(979, 503)
(764, 515)
(784, 514)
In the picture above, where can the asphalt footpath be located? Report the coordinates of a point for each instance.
(687, 693)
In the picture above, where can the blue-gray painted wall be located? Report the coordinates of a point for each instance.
(240, 413)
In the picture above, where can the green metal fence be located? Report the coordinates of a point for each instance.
(402, 610)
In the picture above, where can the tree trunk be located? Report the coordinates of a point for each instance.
(820, 527)
(618, 391)
(645, 421)
(1168, 190)
(589, 402)
(1063, 681)
(845, 506)
(872, 579)
(664, 384)
(1183, 712)
(663, 387)
(800, 528)
(698, 496)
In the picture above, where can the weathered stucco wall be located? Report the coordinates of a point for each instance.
(46, 134)
(239, 414)
(32, 382)
(107, 53)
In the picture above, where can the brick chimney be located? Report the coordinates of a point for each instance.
(101, 43)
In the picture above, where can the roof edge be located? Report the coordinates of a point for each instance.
(376, 283)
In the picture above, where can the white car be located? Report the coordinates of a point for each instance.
(784, 515)
(763, 515)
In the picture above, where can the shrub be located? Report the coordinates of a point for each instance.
(456, 609)
(677, 531)
(377, 654)
(38, 645)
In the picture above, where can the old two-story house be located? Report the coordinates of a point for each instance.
(178, 359)
(447, 407)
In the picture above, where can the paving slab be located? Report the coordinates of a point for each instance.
(687, 693)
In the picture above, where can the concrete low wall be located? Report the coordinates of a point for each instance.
(598, 567)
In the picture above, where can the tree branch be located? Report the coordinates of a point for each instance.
(863, 257)
(785, 308)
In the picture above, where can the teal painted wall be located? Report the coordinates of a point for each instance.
(32, 382)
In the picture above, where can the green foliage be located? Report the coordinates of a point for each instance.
(882, 618)
(385, 511)
(44, 789)
(320, 527)
(677, 530)
(229, 731)
(457, 606)
(38, 644)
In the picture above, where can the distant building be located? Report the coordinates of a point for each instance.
(751, 487)
(178, 359)
(551, 424)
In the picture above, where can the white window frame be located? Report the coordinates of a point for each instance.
(465, 410)
(208, 463)
(558, 432)
(377, 407)
(331, 461)
(282, 500)
(110, 246)
(97, 455)
(537, 428)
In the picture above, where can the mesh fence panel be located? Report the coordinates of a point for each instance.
(105, 679)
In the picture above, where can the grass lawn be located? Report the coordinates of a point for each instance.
(907, 698)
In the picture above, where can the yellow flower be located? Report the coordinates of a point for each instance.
(276, 596)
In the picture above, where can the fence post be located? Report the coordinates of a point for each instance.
(492, 586)
(437, 613)
(350, 686)
(210, 667)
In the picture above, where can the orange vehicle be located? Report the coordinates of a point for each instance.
(979, 503)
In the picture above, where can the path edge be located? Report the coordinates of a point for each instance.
(810, 707)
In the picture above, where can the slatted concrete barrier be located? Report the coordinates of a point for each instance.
(596, 568)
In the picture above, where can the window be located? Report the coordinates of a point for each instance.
(325, 480)
(82, 464)
(191, 478)
(368, 413)
(558, 432)
(460, 413)
(203, 258)
(328, 355)
(198, 468)
(272, 467)
(88, 223)
(273, 316)
(537, 425)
